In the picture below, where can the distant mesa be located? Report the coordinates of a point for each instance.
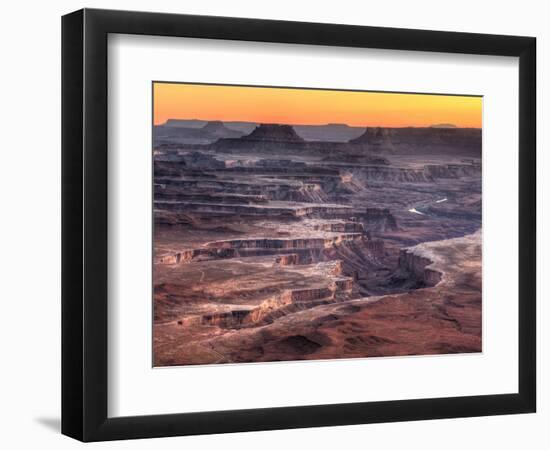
(372, 135)
(376, 139)
(336, 126)
(331, 132)
(334, 142)
(274, 133)
(242, 127)
(176, 131)
(214, 125)
(217, 128)
(184, 123)
(443, 125)
(265, 137)
(285, 140)
(428, 140)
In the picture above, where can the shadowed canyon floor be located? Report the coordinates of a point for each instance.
(273, 246)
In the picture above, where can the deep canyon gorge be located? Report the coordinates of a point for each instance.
(275, 242)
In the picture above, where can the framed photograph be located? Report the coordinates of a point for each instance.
(273, 224)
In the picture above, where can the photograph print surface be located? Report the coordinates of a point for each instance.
(314, 224)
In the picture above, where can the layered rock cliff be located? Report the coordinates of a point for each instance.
(443, 141)
(419, 267)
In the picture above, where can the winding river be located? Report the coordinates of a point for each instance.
(416, 211)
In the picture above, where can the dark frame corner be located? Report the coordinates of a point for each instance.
(84, 224)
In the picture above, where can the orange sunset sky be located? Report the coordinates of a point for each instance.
(311, 106)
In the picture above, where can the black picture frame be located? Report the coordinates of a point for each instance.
(84, 224)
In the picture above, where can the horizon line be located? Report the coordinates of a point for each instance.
(436, 125)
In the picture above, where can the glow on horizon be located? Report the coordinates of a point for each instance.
(311, 106)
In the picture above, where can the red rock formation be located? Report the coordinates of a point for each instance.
(418, 266)
(381, 173)
(229, 319)
(375, 247)
(285, 244)
(287, 260)
(452, 170)
(264, 247)
(379, 219)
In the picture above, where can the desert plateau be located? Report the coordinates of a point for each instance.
(282, 242)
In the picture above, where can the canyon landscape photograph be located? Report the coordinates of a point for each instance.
(314, 224)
